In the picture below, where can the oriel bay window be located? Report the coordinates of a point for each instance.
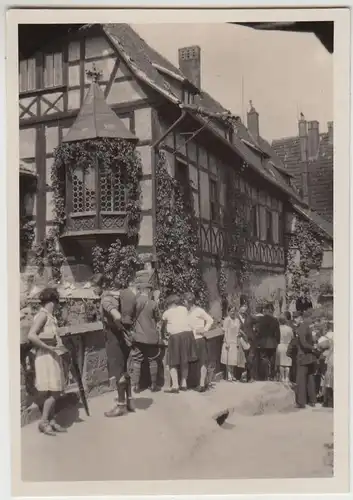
(96, 198)
(98, 151)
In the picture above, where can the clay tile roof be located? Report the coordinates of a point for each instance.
(321, 170)
(97, 120)
(140, 58)
(323, 225)
(288, 150)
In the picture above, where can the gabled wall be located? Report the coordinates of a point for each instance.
(53, 85)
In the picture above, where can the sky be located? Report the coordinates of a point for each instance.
(282, 73)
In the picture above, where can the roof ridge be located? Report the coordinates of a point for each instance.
(138, 58)
(282, 139)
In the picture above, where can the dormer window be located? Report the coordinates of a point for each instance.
(187, 97)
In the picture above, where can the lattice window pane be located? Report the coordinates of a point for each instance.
(119, 193)
(113, 197)
(106, 192)
(90, 190)
(77, 190)
(83, 190)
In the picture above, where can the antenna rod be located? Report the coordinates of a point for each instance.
(242, 99)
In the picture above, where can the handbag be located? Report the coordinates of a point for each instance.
(244, 344)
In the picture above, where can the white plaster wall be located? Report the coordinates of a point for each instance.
(146, 231)
(143, 124)
(146, 159)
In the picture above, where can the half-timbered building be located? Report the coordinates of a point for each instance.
(156, 103)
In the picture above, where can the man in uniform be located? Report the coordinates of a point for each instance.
(117, 312)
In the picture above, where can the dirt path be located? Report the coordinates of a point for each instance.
(176, 437)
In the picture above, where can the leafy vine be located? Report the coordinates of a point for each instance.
(116, 262)
(238, 229)
(104, 154)
(27, 235)
(177, 243)
(304, 252)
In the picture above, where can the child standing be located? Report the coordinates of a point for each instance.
(49, 371)
(181, 342)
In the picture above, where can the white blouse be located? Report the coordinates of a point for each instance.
(176, 319)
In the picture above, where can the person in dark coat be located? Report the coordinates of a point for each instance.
(306, 365)
(293, 347)
(145, 344)
(303, 303)
(117, 310)
(247, 326)
(268, 338)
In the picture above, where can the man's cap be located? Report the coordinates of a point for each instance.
(97, 279)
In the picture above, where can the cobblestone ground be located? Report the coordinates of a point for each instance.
(177, 437)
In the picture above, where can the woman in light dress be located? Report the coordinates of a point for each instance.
(283, 361)
(233, 354)
(49, 373)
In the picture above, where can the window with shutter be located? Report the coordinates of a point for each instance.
(254, 221)
(263, 222)
(269, 226)
(275, 221)
(214, 200)
(53, 70)
(281, 228)
(27, 75)
(182, 176)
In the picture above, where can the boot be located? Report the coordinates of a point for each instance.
(130, 406)
(118, 411)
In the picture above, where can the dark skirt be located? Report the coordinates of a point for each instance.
(201, 351)
(181, 349)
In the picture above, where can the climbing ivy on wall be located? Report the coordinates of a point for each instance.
(104, 154)
(117, 263)
(308, 244)
(238, 229)
(27, 235)
(177, 242)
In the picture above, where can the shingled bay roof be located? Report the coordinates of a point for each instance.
(97, 120)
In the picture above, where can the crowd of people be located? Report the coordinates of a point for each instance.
(296, 350)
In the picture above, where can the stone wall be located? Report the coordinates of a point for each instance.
(262, 285)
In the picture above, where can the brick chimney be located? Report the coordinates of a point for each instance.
(253, 121)
(303, 137)
(330, 132)
(313, 139)
(190, 64)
